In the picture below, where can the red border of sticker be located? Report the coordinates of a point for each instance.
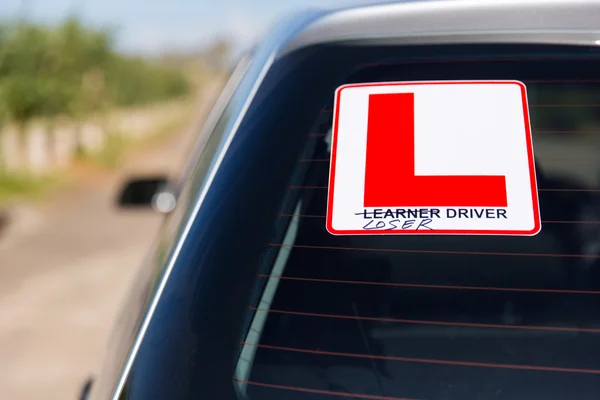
(532, 175)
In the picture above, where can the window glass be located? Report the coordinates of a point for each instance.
(442, 317)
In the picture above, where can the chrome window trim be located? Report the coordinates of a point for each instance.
(213, 117)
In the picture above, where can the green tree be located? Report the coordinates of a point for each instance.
(73, 71)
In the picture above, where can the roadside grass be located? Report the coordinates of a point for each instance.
(17, 187)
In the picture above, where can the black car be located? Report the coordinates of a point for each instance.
(252, 292)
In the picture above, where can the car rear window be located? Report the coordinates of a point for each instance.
(442, 317)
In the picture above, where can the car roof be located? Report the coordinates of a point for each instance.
(388, 20)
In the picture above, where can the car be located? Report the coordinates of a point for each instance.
(288, 266)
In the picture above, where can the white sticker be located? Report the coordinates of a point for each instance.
(445, 157)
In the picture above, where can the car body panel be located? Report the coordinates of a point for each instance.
(429, 22)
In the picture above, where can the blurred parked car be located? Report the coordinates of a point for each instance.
(246, 294)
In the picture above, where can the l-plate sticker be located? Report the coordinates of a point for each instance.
(438, 157)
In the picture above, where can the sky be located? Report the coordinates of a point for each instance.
(151, 26)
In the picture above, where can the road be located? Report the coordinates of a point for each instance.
(64, 271)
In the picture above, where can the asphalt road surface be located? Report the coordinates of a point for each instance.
(65, 269)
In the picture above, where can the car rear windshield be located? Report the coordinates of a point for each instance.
(442, 317)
